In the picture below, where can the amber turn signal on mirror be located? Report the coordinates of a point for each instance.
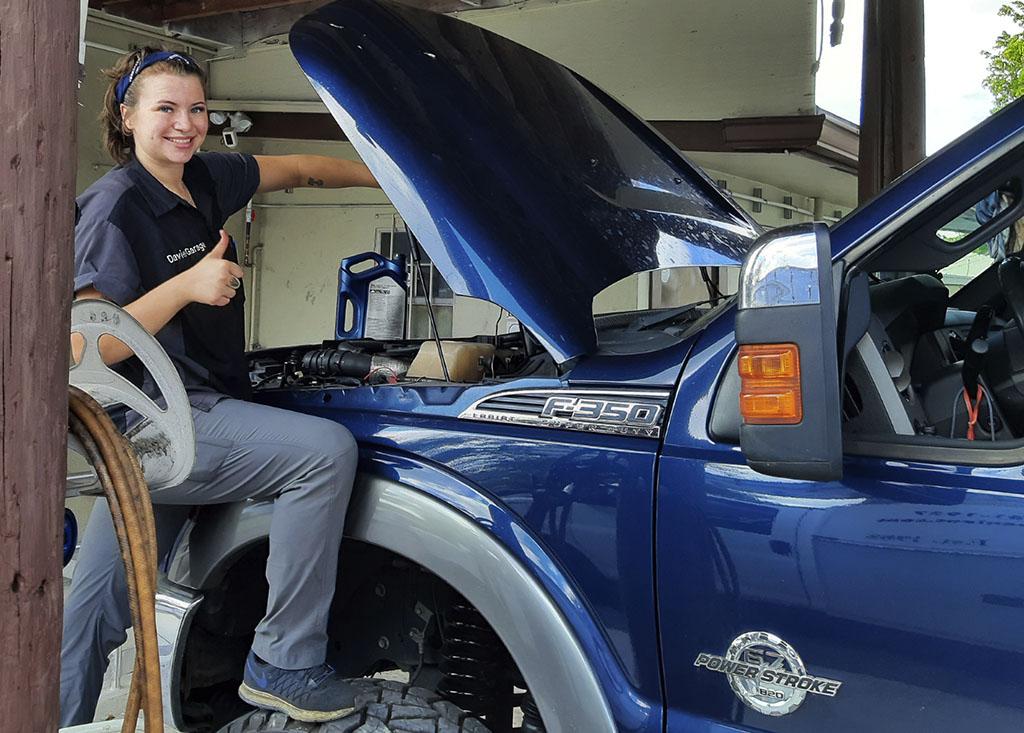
(770, 384)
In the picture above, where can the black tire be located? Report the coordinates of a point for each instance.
(382, 706)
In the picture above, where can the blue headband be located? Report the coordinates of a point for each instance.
(144, 63)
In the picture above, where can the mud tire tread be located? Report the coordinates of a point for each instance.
(382, 706)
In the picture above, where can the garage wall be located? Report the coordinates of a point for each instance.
(300, 240)
(771, 215)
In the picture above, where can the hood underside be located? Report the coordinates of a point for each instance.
(528, 186)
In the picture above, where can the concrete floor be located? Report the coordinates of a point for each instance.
(110, 708)
(107, 726)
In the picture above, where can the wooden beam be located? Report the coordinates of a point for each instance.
(744, 134)
(243, 28)
(142, 11)
(176, 10)
(892, 127)
(452, 6)
(37, 179)
(295, 126)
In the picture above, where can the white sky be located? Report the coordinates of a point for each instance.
(956, 32)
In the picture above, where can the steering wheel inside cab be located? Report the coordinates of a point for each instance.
(1011, 283)
(998, 355)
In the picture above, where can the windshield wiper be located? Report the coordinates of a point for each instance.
(689, 313)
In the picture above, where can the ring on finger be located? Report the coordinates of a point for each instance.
(234, 283)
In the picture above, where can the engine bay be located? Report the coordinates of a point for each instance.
(360, 362)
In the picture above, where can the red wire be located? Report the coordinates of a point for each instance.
(972, 411)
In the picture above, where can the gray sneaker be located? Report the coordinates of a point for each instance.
(312, 695)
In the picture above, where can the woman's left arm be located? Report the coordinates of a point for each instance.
(278, 172)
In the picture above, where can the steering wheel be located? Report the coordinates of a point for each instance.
(165, 439)
(1011, 282)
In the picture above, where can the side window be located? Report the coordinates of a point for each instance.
(926, 363)
(974, 217)
(968, 267)
(1007, 241)
(393, 242)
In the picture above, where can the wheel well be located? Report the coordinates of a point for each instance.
(389, 615)
(482, 552)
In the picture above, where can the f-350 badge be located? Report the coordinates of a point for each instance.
(767, 674)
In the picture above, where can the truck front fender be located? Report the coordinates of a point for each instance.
(422, 512)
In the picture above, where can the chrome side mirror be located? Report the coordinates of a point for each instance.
(788, 361)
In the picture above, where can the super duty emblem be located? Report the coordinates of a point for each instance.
(767, 674)
(636, 413)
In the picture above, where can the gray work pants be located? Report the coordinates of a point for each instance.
(243, 451)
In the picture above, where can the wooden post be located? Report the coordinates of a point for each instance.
(38, 73)
(892, 121)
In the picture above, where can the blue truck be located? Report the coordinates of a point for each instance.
(794, 509)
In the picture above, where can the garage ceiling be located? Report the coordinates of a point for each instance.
(667, 59)
(677, 59)
(177, 11)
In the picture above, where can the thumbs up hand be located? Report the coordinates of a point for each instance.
(219, 249)
(213, 280)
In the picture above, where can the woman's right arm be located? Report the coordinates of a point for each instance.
(205, 282)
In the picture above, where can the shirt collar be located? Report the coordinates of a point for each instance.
(160, 199)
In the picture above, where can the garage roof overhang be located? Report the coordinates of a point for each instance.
(823, 137)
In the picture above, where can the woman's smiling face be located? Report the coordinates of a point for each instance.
(169, 120)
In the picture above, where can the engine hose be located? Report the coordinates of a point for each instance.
(124, 486)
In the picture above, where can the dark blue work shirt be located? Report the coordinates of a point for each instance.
(134, 234)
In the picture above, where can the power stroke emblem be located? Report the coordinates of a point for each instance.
(767, 674)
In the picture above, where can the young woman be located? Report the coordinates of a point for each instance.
(150, 240)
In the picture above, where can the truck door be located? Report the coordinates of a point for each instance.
(903, 584)
(885, 593)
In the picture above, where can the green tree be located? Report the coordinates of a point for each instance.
(1006, 61)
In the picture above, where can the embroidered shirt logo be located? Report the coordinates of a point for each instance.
(186, 252)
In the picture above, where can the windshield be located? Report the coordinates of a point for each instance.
(651, 310)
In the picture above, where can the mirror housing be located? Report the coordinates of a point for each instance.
(789, 370)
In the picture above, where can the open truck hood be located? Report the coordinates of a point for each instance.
(526, 184)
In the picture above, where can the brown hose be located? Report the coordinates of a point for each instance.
(123, 484)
